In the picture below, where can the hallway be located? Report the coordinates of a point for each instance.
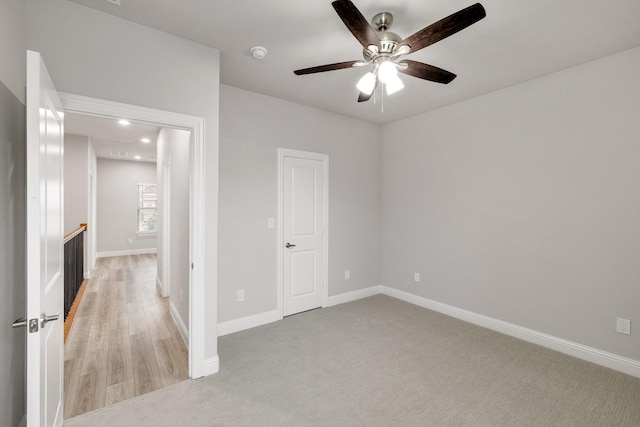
(123, 342)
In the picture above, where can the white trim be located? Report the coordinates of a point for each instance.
(237, 325)
(165, 237)
(146, 233)
(87, 275)
(287, 152)
(590, 354)
(182, 328)
(106, 254)
(211, 366)
(353, 295)
(160, 287)
(102, 108)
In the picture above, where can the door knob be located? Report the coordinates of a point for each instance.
(46, 319)
(289, 245)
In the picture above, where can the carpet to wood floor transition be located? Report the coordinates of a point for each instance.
(384, 362)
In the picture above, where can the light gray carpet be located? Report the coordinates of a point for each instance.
(383, 362)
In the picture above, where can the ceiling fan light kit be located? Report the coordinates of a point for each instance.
(367, 83)
(383, 49)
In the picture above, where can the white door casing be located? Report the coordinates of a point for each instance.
(45, 259)
(198, 366)
(303, 230)
(166, 227)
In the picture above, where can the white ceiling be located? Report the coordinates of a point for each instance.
(112, 140)
(518, 40)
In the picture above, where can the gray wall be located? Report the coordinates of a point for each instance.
(76, 182)
(90, 53)
(524, 204)
(79, 198)
(173, 147)
(117, 216)
(12, 211)
(252, 127)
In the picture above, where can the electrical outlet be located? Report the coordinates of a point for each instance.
(416, 277)
(347, 274)
(240, 295)
(624, 326)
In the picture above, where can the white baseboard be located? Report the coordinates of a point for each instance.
(87, 275)
(182, 328)
(237, 325)
(160, 287)
(126, 252)
(590, 354)
(211, 366)
(353, 295)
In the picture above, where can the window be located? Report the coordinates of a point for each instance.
(147, 208)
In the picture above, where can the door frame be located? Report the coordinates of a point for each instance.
(324, 158)
(102, 108)
(165, 288)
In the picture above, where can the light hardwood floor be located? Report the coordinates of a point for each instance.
(123, 342)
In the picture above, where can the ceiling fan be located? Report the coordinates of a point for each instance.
(384, 49)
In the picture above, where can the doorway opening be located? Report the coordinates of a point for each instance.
(193, 128)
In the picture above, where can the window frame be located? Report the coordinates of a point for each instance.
(140, 230)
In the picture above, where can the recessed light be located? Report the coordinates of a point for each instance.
(137, 157)
(145, 140)
(124, 122)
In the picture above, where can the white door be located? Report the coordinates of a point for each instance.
(303, 226)
(45, 257)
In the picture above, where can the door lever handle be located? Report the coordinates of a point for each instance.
(19, 323)
(289, 245)
(32, 324)
(46, 319)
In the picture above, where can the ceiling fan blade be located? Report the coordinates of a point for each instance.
(426, 72)
(363, 97)
(444, 27)
(328, 67)
(356, 23)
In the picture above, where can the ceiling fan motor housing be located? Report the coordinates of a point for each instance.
(381, 23)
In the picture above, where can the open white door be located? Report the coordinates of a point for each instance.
(45, 276)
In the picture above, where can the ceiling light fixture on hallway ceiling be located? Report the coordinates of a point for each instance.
(124, 122)
(258, 52)
(145, 140)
